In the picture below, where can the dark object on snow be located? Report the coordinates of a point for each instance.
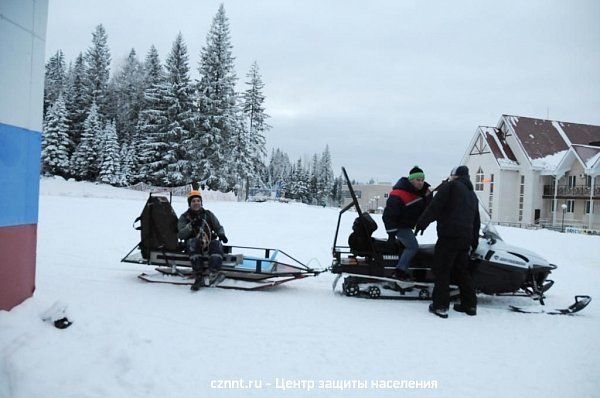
(368, 265)
(56, 314)
(62, 323)
(158, 226)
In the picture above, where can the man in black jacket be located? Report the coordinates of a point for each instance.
(456, 209)
(200, 228)
(405, 203)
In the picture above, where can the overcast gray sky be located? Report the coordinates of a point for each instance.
(387, 84)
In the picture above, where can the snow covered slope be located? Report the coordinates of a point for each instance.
(132, 339)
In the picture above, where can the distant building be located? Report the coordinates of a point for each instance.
(371, 197)
(536, 171)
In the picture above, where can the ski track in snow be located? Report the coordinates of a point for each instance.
(133, 339)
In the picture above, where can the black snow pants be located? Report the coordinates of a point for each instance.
(451, 259)
(215, 254)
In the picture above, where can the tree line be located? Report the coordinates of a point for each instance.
(149, 122)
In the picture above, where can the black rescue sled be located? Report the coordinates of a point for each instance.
(244, 268)
(368, 264)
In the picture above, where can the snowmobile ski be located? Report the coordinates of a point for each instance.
(580, 303)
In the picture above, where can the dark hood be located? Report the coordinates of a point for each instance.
(465, 180)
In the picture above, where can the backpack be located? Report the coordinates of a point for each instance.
(363, 227)
(158, 225)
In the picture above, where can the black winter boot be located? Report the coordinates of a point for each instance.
(442, 313)
(402, 275)
(198, 283)
(468, 310)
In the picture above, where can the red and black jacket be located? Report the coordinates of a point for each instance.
(404, 205)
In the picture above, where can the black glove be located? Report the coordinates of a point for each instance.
(419, 228)
(474, 245)
(391, 237)
(223, 238)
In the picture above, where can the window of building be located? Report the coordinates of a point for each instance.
(572, 180)
(588, 181)
(588, 207)
(521, 197)
(552, 206)
(570, 206)
(479, 180)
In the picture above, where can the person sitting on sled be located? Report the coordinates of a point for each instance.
(405, 204)
(200, 228)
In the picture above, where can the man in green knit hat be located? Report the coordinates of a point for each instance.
(405, 204)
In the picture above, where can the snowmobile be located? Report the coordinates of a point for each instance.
(244, 268)
(497, 268)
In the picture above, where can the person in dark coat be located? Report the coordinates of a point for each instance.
(200, 228)
(456, 209)
(405, 203)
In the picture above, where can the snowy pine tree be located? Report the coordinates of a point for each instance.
(336, 191)
(127, 96)
(153, 72)
(55, 140)
(55, 79)
(151, 144)
(84, 163)
(127, 175)
(255, 124)
(75, 100)
(325, 178)
(298, 188)
(109, 155)
(97, 59)
(217, 105)
(152, 118)
(279, 170)
(178, 98)
(166, 123)
(313, 184)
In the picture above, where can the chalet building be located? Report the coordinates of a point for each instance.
(535, 171)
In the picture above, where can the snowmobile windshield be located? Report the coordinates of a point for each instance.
(490, 232)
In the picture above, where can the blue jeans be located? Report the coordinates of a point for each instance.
(406, 236)
(196, 252)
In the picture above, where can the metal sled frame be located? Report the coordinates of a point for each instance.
(263, 268)
(235, 266)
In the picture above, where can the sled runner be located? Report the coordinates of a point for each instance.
(244, 268)
(367, 264)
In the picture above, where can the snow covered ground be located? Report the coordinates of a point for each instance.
(132, 339)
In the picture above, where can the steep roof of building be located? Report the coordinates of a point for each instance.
(546, 141)
(496, 141)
